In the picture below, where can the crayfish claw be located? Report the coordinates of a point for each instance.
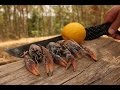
(68, 65)
(30, 64)
(74, 65)
(49, 69)
(33, 68)
(71, 61)
(59, 60)
(93, 56)
(90, 53)
(48, 60)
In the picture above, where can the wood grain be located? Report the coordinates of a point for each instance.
(105, 71)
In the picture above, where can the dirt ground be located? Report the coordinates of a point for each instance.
(5, 57)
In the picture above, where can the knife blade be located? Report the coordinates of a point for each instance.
(18, 51)
(93, 32)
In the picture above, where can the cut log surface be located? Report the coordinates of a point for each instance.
(106, 71)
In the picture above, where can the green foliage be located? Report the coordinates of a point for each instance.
(34, 28)
(18, 21)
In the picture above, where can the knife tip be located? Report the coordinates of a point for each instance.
(13, 52)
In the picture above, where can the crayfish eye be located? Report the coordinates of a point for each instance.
(32, 49)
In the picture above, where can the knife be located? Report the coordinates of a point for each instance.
(93, 32)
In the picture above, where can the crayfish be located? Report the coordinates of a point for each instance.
(34, 56)
(63, 52)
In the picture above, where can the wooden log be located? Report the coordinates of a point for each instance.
(104, 71)
(3, 62)
(103, 68)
